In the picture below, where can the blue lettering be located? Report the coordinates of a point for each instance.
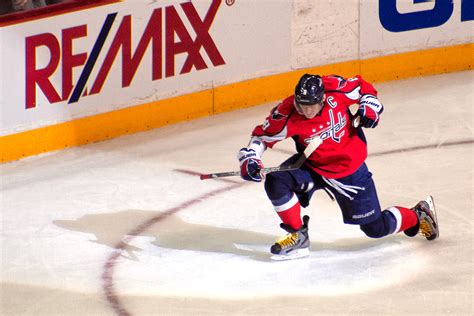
(394, 21)
(467, 10)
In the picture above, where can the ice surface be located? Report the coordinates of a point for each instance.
(126, 226)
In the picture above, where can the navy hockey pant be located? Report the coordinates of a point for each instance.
(355, 194)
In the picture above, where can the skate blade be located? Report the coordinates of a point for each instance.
(431, 204)
(300, 253)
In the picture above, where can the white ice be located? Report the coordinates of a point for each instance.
(201, 247)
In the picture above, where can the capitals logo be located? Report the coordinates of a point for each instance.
(335, 129)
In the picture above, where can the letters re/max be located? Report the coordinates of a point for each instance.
(160, 35)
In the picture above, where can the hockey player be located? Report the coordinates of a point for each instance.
(320, 108)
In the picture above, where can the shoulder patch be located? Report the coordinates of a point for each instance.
(276, 115)
(342, 83)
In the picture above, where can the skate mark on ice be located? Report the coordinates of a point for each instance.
(108, 270)
(423, 147)
(404, 150)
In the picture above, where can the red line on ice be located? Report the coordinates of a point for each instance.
(108, 271)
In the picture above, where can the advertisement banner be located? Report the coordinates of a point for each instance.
(87, 62)
(395, 26)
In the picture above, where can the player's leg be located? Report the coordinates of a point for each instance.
(358, 201)
(288, 191)
(391, 221)
(280, 188)
(357, 197)
(420, 219)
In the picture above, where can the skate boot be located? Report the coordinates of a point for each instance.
(427, 220)
(294, 245)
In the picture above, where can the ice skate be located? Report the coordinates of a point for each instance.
(428, 222)
(294, 245)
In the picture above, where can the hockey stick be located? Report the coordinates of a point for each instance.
(307, 152)
(356, 121)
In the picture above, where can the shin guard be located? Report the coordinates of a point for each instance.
(406, 218)
(290, 212)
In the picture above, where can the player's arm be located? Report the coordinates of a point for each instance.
(250, 160)
(273, 130)
(370, 107)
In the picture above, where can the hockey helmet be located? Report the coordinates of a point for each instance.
(309, 90)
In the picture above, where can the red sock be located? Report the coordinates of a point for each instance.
(290, 213)
(406, 218)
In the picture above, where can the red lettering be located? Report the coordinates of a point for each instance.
(40, 77)
(69, 60)
(175, 25)
(203, 39)
(130, 62)
(174, 35)
(187, 45)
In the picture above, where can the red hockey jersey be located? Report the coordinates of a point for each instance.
(343, 149)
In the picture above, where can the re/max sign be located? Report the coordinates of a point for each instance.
(159, 33)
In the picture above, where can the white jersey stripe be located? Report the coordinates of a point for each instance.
(275, 138)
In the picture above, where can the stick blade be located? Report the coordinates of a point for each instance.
(204, 176)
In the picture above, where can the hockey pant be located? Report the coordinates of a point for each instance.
(355, 194)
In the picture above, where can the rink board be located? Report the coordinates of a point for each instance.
(150, 72)
(226, 98)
